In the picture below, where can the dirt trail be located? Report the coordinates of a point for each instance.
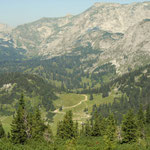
(85, 99)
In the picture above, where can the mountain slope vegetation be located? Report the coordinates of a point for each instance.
(134, 87)
(36, 90)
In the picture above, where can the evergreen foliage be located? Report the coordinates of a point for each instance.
(26, 125)
(68, 126)
(98, 133)
(67, 129)
(110, 136)
(129, 127)
(18, 126)
(29, 126)
(38, 125)
(32, 86)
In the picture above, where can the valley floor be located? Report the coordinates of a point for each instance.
(77, 103)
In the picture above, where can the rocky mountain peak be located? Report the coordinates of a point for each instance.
(55, 36)
(133, 50)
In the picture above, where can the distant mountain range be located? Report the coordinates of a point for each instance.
(119, 31)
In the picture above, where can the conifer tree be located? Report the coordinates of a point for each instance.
(18, 126)
(65, 128)
(129, 127)
(2, 132)
(68, 125)
(110, 133)
(38, 125)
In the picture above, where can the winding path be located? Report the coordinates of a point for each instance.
(85, 99)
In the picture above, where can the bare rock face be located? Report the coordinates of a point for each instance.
(118, 18)
(133, 50)
(120, 32)
(98, 26)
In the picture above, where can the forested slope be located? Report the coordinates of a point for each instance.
(134, 87)
(12, 85)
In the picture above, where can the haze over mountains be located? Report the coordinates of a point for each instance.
(119, 31)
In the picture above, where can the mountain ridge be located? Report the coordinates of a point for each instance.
(133, 49)
(56, 36)
(106, 27)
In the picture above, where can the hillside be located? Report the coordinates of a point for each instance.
(72, 70)
(133, 89)
(115, 34)
(36, 91)
(55, 36)
(10, 53)
(132, 51)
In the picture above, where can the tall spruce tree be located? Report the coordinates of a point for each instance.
(65, 128)
(129, 127)
(38, 125)
(110, 133)
(68, 125)
(18, 126)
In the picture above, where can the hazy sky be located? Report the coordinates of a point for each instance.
(15, 12)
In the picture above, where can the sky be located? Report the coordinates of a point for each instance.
(16, 12)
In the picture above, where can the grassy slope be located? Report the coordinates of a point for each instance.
(68, 100)
(78, 111)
